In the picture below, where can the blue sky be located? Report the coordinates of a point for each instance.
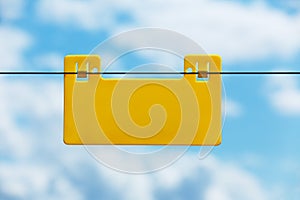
(259, 156)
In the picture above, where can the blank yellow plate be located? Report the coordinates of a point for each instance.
(142, 111)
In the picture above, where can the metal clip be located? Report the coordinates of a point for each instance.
(81, 74)
(202, 74)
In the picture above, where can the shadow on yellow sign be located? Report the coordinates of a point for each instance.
(142, 111)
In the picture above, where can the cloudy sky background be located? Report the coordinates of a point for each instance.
(259, 156)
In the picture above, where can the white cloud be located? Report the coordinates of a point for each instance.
(42, 167)
(50, 169)
(25, 103)
(235, 31)
(88, 15)
(232, 108)
(283, 93)
(190, 178)
(14, 42)
(32, 153)
(52, 61)
(28, 181)
(229, 179)
(35, 164)
(11, 10)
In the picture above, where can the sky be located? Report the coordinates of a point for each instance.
(259, 154)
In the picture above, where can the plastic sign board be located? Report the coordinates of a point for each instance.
(141, 110)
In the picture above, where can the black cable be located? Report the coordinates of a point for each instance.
(158, 73)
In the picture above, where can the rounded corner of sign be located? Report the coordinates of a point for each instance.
(219, 141)
(67, 141)
(217, 60)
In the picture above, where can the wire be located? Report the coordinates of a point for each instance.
(158, 73)
(258, 73)
(36, 73)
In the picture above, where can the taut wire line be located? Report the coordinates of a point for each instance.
(155, 73)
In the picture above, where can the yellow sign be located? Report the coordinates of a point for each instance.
(142, 111)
